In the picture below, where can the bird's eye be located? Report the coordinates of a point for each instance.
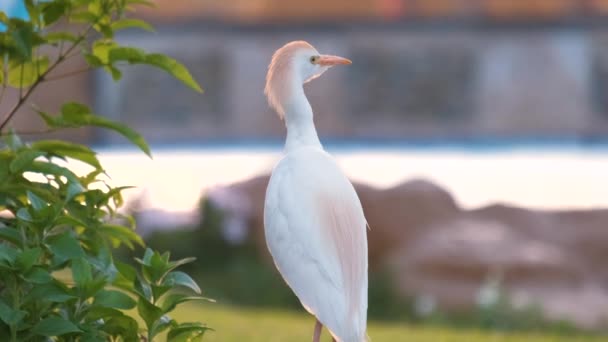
(313, 59)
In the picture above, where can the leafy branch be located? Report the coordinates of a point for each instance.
(41, 78)
(102, 16)
(60, 222)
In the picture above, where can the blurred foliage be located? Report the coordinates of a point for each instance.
(59, 279)
(26, 63)
(232, 274)
(237, 274)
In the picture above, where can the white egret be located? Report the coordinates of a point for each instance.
(314, 223)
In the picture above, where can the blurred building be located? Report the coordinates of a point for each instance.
(431, 69)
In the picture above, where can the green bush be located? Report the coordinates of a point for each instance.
(231, 273)
(59, 279)
(237, 273)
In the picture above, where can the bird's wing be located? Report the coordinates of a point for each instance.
(316, 233)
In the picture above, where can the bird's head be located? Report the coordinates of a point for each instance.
(293, 65)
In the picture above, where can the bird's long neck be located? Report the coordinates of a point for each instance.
(301, 129)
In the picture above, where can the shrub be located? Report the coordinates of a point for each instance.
(59, 230)
(232, 272)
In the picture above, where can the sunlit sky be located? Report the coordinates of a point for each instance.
(13, 7)
(174, 180)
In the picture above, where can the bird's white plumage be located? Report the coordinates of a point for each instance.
(316, 233)
(315, 227)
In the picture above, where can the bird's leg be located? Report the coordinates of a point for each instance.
(317, 334)
(333, 339)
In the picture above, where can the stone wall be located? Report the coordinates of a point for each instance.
(406, 82)
(402, 84)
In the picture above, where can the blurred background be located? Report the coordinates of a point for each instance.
(476, 132)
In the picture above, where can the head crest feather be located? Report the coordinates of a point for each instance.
(280, 74)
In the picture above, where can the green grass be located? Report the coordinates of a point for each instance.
(257, 325)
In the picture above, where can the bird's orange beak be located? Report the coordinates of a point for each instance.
(327, 60)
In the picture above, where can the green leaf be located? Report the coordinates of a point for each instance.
(81, 272)
(147, 3)
(172, 300)
(127, 54)
(38, 275)
(52, 11)
(5, 159)
(58, 146)
(126, 23)
(74, 110)
(174, 68)
(94, 335)
(154, 266)
(163, 323)
(121, 233)
(102, 260)
(73, 190)
(149, 312)
(55, 37)
(70, 221)
(54, 326)
(123, 326)
(101, 50)
(12, 141)
(94, 286)
(148, 254)
(36, 202)
(70, 150)
(159, 290)
(187, 332)
(175, 264)
(126, 276)
(91, 177)
(114, 299)
(93, 60)
(47, 168)
(83, 17)
(115, 195)
(11, 235)
(142, 288)
(96, 7)
(24, 215)
(101, 312)
(105, 30)
(23, 159)
(8, 253)
(33, 11)
(114, 71)
(65, 247)
(182, 279)
(22, 38)
(27, 258)
(23, 75)
(9, 315)
(77, 115)
(52, 292)
(50, 121)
